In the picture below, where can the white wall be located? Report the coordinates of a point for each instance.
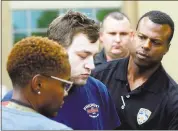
(6, 41)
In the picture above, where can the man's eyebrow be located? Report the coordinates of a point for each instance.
(155, 39)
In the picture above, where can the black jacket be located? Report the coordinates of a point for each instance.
(100, 58)
(153, 105)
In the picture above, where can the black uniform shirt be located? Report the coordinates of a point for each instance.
(153, 105)
(100, 58)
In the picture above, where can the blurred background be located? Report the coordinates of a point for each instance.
(25, 18)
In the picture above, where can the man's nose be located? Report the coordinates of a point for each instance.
(147, 44)
(90, 63)
(118, 38)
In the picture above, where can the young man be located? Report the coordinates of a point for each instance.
(115, 37)
(146, 97)
(88, 105)
(39, 70)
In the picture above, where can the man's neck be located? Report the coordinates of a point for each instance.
(137, 76)
(110, 58)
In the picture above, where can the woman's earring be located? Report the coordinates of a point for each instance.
(39, 92)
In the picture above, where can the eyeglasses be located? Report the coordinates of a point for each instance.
(67, 84)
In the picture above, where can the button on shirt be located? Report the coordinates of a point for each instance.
(153, 105)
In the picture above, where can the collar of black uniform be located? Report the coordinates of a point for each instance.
(157, 81)
(150, 84)
(100, 58)
(122, 69)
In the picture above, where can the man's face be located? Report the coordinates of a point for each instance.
(150, 43)
(81, 53)
(116, 36)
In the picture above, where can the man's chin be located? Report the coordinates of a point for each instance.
(116, 52)
(80, 82)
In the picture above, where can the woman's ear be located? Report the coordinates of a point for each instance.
(36, 84)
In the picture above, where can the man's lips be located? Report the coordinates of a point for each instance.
(116, 47)
(142, 55)
(85, 75)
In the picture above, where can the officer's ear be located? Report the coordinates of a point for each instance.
(168, 46)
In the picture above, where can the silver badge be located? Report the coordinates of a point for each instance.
(143, 115)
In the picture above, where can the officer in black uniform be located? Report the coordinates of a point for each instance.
(115, 37)
(146, 97)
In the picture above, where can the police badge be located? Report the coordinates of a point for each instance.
(143, 115)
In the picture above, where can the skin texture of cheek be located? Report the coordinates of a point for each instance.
(56, 103)
(77, 69)
(76, 76)
(107, 42)
(53, 98)
(157, 56)
(77, 65)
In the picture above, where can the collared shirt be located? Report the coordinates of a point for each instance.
(100, 58)
(153, 105)
(89, 107)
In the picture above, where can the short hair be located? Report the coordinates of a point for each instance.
(65, 27)
(115, 15)
(36, 55)
(159, 17)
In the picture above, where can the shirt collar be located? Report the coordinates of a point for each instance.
(122, 69)
(100, 58)
(157, 81)
(153, 84)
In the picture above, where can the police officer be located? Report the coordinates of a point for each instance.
(115, 37)
(146, 97)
